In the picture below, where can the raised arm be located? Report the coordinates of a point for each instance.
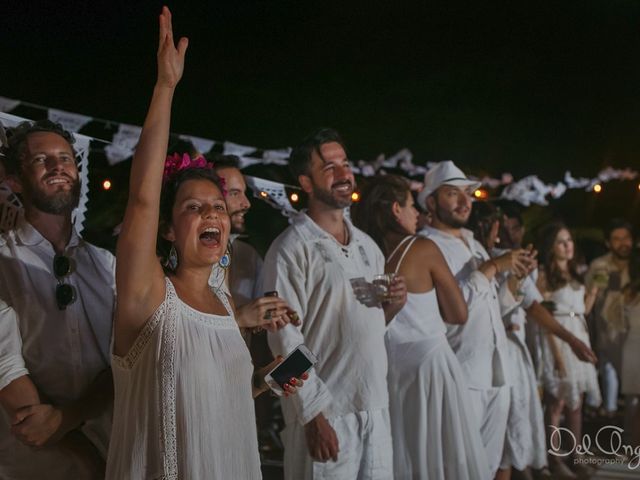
(139, 275)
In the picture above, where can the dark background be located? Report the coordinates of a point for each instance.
(524, 87)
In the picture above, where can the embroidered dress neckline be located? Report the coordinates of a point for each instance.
(200, 312)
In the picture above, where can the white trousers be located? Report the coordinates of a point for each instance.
(491, 408)
(364, 439)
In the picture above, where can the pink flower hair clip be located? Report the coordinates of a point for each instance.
(176, 163)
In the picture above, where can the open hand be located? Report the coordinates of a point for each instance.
(516, 261)
(170, 58)
(582, 351)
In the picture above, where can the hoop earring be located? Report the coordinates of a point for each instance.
(172, 259)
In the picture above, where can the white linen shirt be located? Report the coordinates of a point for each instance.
(312, 272)
(479, 344)
(62, 350)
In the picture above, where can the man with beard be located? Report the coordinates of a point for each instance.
(610, 273)
(338, 424)
(245, 271)
(254, 311)
(480, 344)
(56, 304)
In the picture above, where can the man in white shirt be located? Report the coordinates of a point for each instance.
(479, 344)
(337, 426)
(245, 286)
(57, 296)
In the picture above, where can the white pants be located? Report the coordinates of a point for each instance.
(491, 408)
(364, 439)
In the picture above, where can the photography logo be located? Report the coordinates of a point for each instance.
(608, 442)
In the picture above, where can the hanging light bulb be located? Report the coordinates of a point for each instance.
(481, 194)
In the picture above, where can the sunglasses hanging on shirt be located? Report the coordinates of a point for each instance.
(65, 293)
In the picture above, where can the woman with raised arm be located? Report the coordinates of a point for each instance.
(434, 435)
(182, 373)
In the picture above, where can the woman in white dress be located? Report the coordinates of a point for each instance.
(566, 379)
(434, 435)
(182, 372)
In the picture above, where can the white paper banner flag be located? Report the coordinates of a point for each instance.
(10, 208)
(81, 147)
(231, 148)
(70, 121)
(245, 162)
(124, 143)
(279, 154)
(558, 190)
(527, 191)
(403, 156)
(271, 192)
(575, 182)
(8, 104)
(9, 120)
(203, 145)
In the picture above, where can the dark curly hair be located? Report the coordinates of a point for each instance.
(373, 213)
(168, 199)
(300, 159)
(17, 137)
(481, 220)
(546, 241)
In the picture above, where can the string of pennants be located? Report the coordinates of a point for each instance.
(118, 142)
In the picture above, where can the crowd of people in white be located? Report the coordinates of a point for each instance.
(439, 378)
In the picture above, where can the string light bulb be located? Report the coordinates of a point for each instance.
(264, 194)
(106, 185)
(597, 188)
(355, 196)
(480, 194)
(294, 197)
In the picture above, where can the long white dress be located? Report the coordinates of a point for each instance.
(183, 404)
(581, 376)
(435, 436)
(525, 440)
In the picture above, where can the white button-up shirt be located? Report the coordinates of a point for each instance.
(312, 272)
(479, 344)
(62, 350)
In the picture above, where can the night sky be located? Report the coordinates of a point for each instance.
(525, 87)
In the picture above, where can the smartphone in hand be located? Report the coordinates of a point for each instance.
(298, 362)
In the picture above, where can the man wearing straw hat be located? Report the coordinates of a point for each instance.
(479, 344)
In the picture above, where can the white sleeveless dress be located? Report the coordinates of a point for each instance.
(582, 377)
(183, 405)
(434, 434)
